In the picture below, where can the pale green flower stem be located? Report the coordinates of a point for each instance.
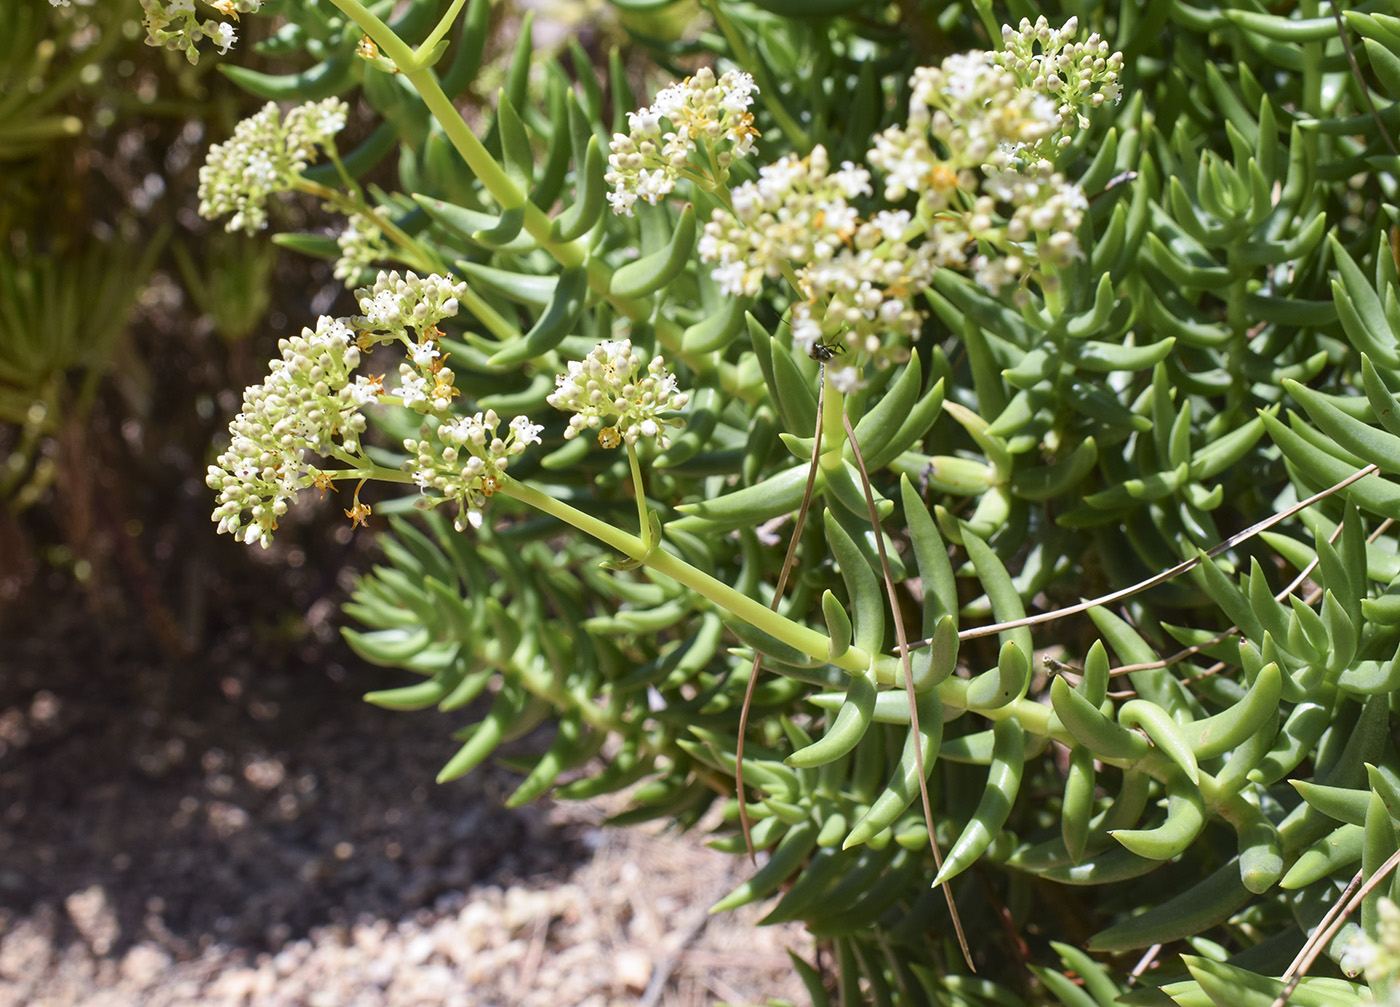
(833, 425)
(509, 197)
(1036, 718)
(440, 30)
(643, 517)
(414, 255)
(726, 598)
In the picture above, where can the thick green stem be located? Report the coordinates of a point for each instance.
(833, 438)
(1053, 289)
(1237, 318)
(363, 468)
(740, 605)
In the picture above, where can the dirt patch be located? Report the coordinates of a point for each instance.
(242, 829)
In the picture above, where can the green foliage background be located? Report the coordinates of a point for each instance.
(1229, 344)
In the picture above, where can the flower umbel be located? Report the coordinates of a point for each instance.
(610, 385)
(1077, 75)
(858, 276)
(307, 405)
(703, 112)
(311, 403)
(173, 24)
(361, 245)
(463, 461)
(266, 154)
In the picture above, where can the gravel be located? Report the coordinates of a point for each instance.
(238, 830)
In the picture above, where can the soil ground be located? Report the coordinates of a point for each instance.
(239, 827)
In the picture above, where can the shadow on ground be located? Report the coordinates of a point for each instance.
(225, 799)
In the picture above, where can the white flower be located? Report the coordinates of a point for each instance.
(609, 386)
(361, 244)
(413, 387)
(265, 155)
(424, 354)
(846, 380)
(223, 36)
(525, 431)
(648, 160)
(307, 405)
(464, 462)
(175, 25)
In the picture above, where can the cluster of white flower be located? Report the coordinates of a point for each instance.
(974, 154)
(173, 24)
(858, 277)
(702, 111)
(311, 402)
(1378, 960)
(1046, 210)
(971, 153)
(266, 154)
(408, 308)
(797, 212)
(1075, 74)
(976, 111)
(361, 245)
(462, 461)
(609, 384)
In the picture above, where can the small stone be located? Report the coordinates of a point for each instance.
(420, 949)
(144, 964)
(94, 919)
(27, 949)
(632, 969)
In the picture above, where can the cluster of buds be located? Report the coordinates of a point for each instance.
(702, 112)
(406, 304)
(361, 245)
(963, 114)
(859, 277)
(1077, 75)
(463, 461)
(266, 154)
(407, 309)
(173, 24)
(609, 386)
(309, 404)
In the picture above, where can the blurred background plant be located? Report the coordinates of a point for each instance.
(115, 340)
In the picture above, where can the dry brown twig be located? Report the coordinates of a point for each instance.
(1331, 923)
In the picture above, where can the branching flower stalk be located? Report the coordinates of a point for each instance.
(415, 65)
(796, 221)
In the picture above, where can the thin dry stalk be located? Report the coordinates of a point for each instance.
(1160, 578)
(1323, 935)
(788, 561)
(903, 641)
